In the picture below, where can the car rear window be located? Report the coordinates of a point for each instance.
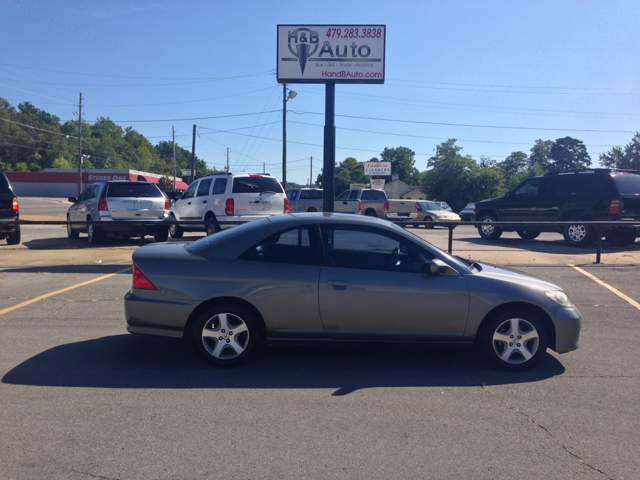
(628, 184)
(256, 185)
(134, 190)
(4, 184)
(373, 195)
(311, 194)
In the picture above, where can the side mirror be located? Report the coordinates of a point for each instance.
(438, 267)
(507, 193)
(72, 199)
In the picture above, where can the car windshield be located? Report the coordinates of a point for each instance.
(203, 243)
(421, 240)
(133, 190)
(430, 206)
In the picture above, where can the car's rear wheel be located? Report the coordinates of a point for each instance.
(175, 230)
(515, 339)
(162, 237)
(226, 334)
(579, 235)
(620, 238)
(371, 213)
(488, 231)
(94, 234)
(311, 209)
(528, 234)
(13, 238)
(71, 233)
(429, 221)
(212, 225)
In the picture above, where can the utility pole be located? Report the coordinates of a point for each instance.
(264, 167)
(311, 171)
(193, 155)
(173, 134)
(227, 159)
(80, 145)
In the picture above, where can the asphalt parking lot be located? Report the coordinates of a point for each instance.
(81, 398)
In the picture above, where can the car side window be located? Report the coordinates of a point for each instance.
(353, 195)
(203, 187)
(554, 187)
(343, 195)
(86, 193)
(528, 188)
(371, 249)
(289, 246)
(190, 192)
(219, 186)
(294, 194)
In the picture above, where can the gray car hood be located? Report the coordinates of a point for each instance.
(495, 272)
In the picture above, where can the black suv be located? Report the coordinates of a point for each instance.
(599, 194)
(8, 212)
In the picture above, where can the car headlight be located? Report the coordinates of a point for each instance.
(560, 298)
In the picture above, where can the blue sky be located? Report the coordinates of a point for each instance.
(455, 69)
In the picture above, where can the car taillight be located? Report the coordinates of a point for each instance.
(140, 281)
(415, 205)
(286, 205)
(167, 206)
(360, 205)
(386, 206)
(102, 204)
(229, 207)
(15, 207)
(614, 208)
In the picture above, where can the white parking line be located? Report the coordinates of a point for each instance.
(47, 295)
(606, 285)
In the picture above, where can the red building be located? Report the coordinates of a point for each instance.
(63, 182)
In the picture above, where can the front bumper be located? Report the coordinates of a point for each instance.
(567, 322)
(401, 216)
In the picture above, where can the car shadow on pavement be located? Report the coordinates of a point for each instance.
(132, 361)
(64, 243)
(558, 247)
(96, 268)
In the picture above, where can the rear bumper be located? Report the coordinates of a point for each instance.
(133, 227)
(401, 216)
(9, 224)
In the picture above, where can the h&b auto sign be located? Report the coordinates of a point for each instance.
(337, 53)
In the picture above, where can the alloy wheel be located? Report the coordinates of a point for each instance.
(225, 336)
(515, 341)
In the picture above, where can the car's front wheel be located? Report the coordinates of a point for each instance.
(515, 339)
(175, 230)
(487, 230)
(226, 334)
(620, 238)
(528, 234)
(429, 222)
(162, 237)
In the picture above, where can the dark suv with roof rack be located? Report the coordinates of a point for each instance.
(598, 194)
(9, 212)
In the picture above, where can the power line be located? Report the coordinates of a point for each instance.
(512, 86)
(191, 119)
(40, 129)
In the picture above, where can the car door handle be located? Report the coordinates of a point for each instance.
(188, 203)
(204, 201)
(338, 284)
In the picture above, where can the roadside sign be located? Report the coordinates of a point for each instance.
(357, 185)
(187, 172)
(377, 168)
(377, 183)
(331, 53)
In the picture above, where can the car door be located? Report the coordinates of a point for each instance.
(378, 285)
(199, 203)
(79, 210)
(183, 205)
(520, 205)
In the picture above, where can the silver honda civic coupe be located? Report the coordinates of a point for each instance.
(315, 276)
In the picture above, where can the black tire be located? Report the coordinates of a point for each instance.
(71, 233)
(620, 238)
(428, 219)
(13, 238)
(212, 224)
(489, 232)
(175, 231)
(371, 213)
(528, 234)
(94, 234)
(311, 210)
(215, 339)
(579, 235)
(499, 339)
(162, 237)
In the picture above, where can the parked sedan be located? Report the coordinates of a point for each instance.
(119, 201)
(432, 213)
(342, 278)
(467, 213)
(444, 206)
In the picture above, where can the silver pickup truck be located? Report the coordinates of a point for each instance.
(375, 203)
(305, 199)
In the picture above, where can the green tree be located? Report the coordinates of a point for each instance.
(568, 154)
(61, 162)
(403, 163)
(617, 157)
(540, 153)
(512, 166)
(165, 184)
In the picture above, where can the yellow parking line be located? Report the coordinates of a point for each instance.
(606, 285)
(47, 295)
